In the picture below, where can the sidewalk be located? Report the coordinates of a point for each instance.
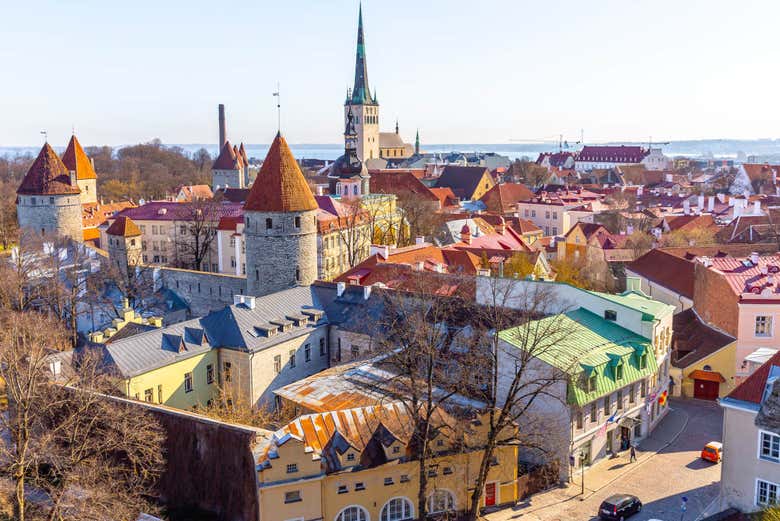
(603, 472)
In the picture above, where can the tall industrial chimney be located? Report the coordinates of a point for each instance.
(222, 136)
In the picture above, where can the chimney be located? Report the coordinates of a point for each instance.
(700, 203)
(419, 241)
(222, 131)
(380, 249)
(320, 190)
(340, 287)
(754, 258)
(669, 178)
(686, 207)
(366, 292)
(756, 207)
(640, 190)
(711, 204)
(465, 234)
(249, 302)
(238, 299)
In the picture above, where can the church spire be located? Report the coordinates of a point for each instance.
(417, 143)
(361, 95)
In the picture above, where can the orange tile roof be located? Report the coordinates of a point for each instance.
(280, 185)
(95, 214)
(76, 160)
(47, 176)
(124, 227)
(191, 192)
(502, 198)
(91, 234)
(227, 159)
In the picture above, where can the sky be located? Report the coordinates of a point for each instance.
(461, 71)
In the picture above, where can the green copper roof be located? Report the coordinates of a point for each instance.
(592, 346)
(361, 95)
(652, 309)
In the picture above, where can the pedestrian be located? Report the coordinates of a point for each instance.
(632, 454)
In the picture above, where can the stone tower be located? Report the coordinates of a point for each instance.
(48, 202)
(76, 160)
(280, 225)
(124, 244)
(363, 104)
(228, 169)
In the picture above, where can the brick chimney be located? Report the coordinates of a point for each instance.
(465, 234)
(222, 131)
(501, 226)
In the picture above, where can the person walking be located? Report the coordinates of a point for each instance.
(632, 454)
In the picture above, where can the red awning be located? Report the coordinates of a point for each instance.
(707, 376)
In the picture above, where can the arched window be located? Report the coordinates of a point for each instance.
(353, 513)
(441, 501)
(707, 368)
(397, 509)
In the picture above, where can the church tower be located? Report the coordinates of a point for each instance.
(363, 104)
(48, 202)
(348, 175)
(280, 225)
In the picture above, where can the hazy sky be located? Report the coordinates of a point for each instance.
(463, 71)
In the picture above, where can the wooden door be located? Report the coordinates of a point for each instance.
(705, 390)
(490, 494)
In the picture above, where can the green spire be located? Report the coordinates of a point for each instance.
(361, 95)
(417, 142)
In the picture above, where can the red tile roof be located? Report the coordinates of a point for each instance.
(667, 270)
(95, 214)
(445, 196)
(752, 389)
(227, 159)
(612, 154)
(748, 280)
(502, 198)
(280, 185)
(242, 153)
(124, 227)
(689, 222)
(398, 182)
(47, 176)
(76, 160)
(761, 172)
(191, 192)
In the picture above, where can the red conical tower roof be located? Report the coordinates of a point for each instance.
(76, 160)
(242, 153)
(227, 159)
(47, 176)
(280, 185)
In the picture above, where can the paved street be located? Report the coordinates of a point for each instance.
(669, 468)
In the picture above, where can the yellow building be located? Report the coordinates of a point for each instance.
(704, 359)
(354, 465)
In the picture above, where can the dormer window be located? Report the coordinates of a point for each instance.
(592, 382)
(610, 315)
(619, 371)
(351, 456)
(643, 361)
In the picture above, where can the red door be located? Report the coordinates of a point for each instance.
(490, 494)
(705, 390)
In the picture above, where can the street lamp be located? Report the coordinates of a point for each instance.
(582, 479)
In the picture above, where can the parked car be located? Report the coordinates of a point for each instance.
(619, 507)
(713, 452)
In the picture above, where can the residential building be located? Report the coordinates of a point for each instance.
(344, 236)
(189, 193)
(469, 183)
(614, 354)
(664, 277)
(556, 212)
(604, 156)
(556, 160)
(503, 198)
(589, 240)
(355, 465)
(703, 359)
(750, 474)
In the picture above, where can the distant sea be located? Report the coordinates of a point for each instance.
(764, 149)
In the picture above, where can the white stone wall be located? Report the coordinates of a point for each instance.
(51, 215)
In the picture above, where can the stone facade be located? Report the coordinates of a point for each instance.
(202, 291)
(124, 252)
(51, 215)
(367, 127)
(281, 250)
(228, 178)
(88, 189)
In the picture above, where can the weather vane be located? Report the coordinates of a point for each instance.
(278, 108)
(45, 136)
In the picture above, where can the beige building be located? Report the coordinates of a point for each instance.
(750, 476)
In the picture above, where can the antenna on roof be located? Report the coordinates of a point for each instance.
(278, 96)
(45, 136)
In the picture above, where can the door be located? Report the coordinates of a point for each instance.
(490, 494)
(705, 390)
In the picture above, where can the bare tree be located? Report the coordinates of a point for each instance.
(354, 230)
(228, 407)
(201, 220)
(419, 218)
(86, 455)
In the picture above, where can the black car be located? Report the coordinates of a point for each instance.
(619, 507)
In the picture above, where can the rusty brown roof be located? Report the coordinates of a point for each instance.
(227, 159)
(124, 227)
(47, 176)
(280, 185)
(76, 160)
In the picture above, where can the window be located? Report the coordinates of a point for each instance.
(396, 449)
(555, 215)
(594, 414)
(447, 471)
(338, 351)
(620, 400)
(619, 371)
(766, 492)
(404, 478)
(763, 326)
(388, 481)
(278, 364)
(769, 447)
(632, 394)
(547, 214)
(226, 370)
(342, 489)
(351, 456)
(322, 347)
(643, 361)
(209, 374)
(292, 468)
(51, 200)
(610, 314)
(592, 382)
(353, 513)
(292, 496)
(606, 406)
(307, 352)
(441, 501)
(159, 394)
(297, 222)
(182, 230)
(298, 274)
(269, 223)
(533, 213)
(360, 486)
(292, 359)
(579, 419)
(149, 395)
(397, 509)
(643, 391)
(187, 382)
